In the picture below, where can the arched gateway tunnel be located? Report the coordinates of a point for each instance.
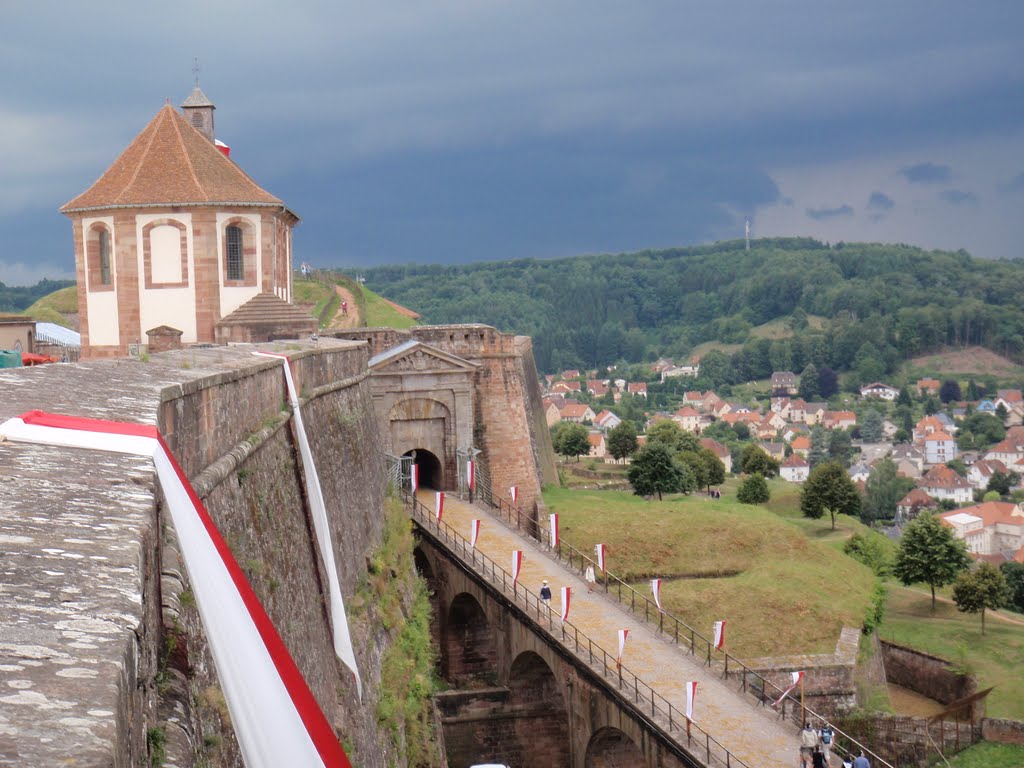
(518, 697)
(431, 472)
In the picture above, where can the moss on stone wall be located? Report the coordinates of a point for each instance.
(395, 599)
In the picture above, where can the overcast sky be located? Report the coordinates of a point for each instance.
(463, 131)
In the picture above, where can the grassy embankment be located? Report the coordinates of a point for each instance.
(781, 593)
(55, 307)
(988, 755)
(374, 310)
(793, 586)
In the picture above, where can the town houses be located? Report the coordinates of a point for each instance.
(871, 421)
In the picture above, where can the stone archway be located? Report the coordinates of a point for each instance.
(611, 748)
(425, 425)
(541, 716)
(468, 644)
(431, 471)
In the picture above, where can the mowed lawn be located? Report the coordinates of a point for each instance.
(780, 590)
(997, 657)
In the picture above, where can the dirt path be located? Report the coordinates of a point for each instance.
(350, 320)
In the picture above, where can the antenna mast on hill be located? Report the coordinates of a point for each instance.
(747, 232)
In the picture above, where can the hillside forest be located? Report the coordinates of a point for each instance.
(851, 307)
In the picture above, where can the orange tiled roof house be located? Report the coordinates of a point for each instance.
(175, 235)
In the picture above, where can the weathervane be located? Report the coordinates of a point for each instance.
(195, 70)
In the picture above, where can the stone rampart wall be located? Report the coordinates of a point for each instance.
(928, 675)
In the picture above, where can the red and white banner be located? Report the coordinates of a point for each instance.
(553, 521)
(224, 148)
(438, 505)
(623, 634)
(474, 531)
(566, 596)
(517, 564)
(513, 493)
(719, 627)
(599, 551)
(797, 677)
(691, 694)
(321, 526)
(471, 474)
(277, 720)
(656, 591)
(414, 478)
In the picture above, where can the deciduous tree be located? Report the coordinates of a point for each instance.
(753, 490)
(980, 588)
(570, 439)
(884, 488)
(654, 470)
(829, 488)
(929, 553)
(622, 440)
(755, 460)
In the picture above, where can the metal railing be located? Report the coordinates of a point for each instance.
(753, 683)
(631, 688)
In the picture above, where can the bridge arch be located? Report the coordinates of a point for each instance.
(611, 748)
(469, 647)
(542, 719)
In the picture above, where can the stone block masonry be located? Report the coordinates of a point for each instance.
(97, 626)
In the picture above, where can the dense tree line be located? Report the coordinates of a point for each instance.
(15, 298)
(881, 303)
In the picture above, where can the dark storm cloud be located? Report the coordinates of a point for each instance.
(958, 197)
(879, 201)
(820, 214)
(927, 173)
(458, 129)
(1016, 184)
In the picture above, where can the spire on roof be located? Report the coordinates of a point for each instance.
(198, 108)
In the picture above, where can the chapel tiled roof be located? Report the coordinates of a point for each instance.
(171, 163)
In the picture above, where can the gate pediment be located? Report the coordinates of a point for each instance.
(415, 357)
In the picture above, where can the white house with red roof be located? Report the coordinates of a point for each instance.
(719, 450)
(1008, 451)
(795, 469)
(912, 504)
(839, 419)
(638, 388)
(597, 445)
(566, 387)
(939, 448)
(578, 412)
(607, 420)
(989, 528)
(981, 471)
(688, 418)
(941, 482)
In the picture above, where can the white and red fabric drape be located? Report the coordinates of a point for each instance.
(517, 564)
(513, 493)
(599, 552)
(797, 677)
(656, 591)
(566, 597)
(471, 474)
(414, 478)
(438, 505)
(474, 531)
(691, 694)
(553, 522)
(623, 634)
(719, 627)
(321, 526)
(277, 720)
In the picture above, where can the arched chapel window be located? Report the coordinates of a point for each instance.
(235, 267)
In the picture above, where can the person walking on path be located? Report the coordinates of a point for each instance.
(545, 596)
(589, 577)
(808, 741)
(860, 761)
(826, 736)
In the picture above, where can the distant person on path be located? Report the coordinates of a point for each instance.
(827, 736)
(589, 577)
(818, 759)
(545, 596)
(344, 307)
(808, 741)
(860, 761)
